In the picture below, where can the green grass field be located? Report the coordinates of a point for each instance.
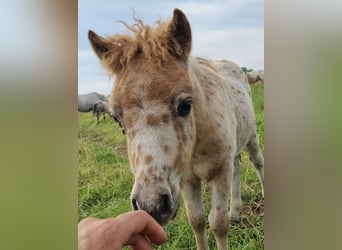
(105, 182)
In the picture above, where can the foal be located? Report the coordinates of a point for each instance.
(185, 123)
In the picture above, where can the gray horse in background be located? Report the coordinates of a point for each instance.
(100, 107)
(86, 101)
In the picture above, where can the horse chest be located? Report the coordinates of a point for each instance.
(209, 153)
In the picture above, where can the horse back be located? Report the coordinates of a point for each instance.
(226, 103)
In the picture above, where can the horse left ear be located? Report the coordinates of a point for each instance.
(179, 35)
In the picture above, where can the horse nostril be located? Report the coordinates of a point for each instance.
(135, 204)
(165, 204)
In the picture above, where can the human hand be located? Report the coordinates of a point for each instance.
(136, 228)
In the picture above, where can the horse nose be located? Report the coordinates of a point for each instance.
(135, 204)
(160, 210)
(165, 204)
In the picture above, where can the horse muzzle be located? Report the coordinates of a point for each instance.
(162, 208)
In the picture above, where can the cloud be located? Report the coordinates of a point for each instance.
(102, 85)
(91, 76)
(237, 45)
(214, 8)
(85, 54)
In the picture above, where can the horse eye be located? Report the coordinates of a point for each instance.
(184, 108)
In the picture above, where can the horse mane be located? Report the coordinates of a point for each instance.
(156, 46)
(152, 42)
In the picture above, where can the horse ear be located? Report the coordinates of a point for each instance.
(179, 35)
(99, 44)
(109, 52)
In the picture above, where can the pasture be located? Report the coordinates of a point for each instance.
(105, 183)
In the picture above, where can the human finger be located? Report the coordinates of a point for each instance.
(87, 221)
(140, 242)
(140, 222)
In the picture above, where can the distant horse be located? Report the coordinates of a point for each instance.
(185, 122)
(100, 107)
(255, 76)
(87, 101)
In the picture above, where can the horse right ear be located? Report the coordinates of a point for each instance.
(109, 52)
(99, 44)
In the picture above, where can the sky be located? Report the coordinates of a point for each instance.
(221, 29)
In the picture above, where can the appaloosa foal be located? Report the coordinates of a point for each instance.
(185, 122)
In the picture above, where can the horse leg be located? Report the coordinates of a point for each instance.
(219, 187)
(192, 197)
(97, 117)
(235, 198)
(255, 155)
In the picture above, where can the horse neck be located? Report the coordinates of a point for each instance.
(195, 71)
(200, 114)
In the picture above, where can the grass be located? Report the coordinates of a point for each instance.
(105, 182)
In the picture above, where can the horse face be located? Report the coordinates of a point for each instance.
(152, 101)
(155, 111)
